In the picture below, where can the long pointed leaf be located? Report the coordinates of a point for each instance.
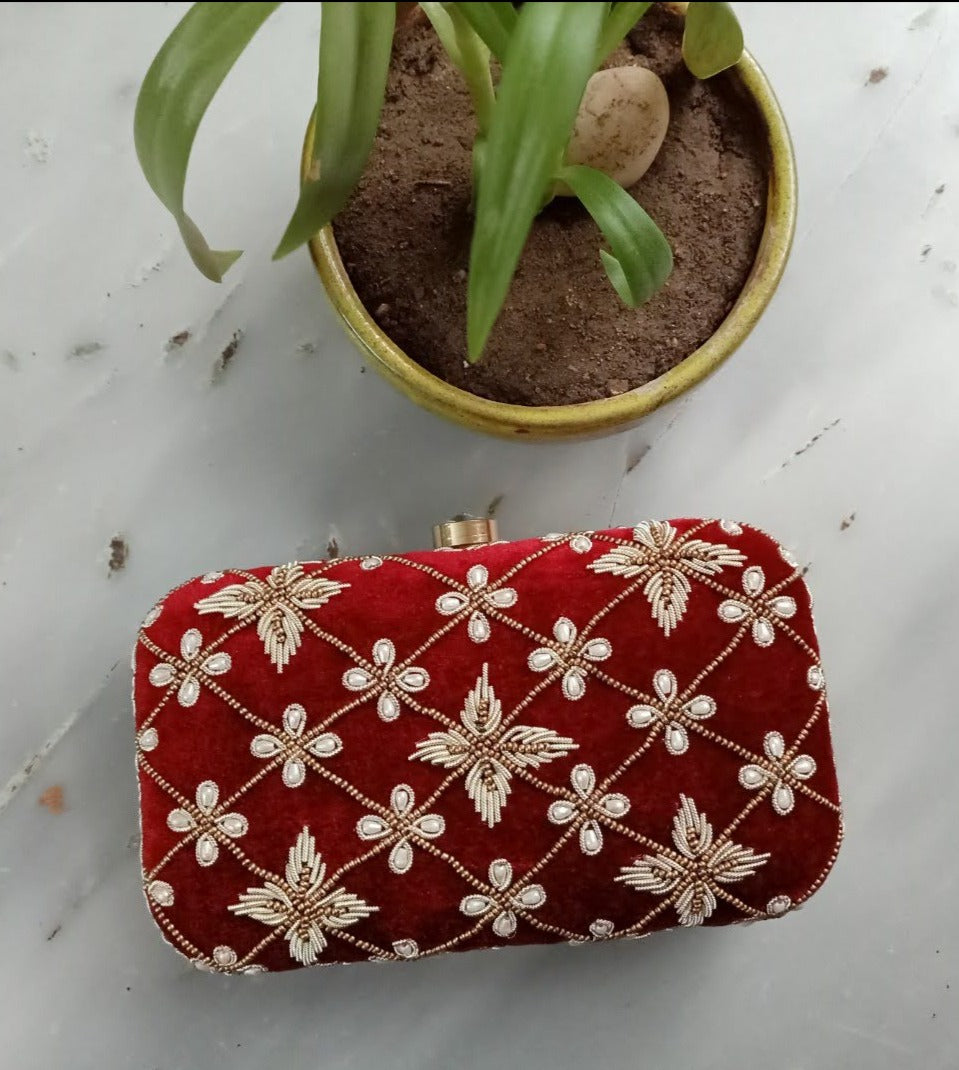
(620, 20)
(442, 22)
(641, 259)
(548, 63)
(494, 22)
(178, 88)
(712, 39)
(469, 54)
(355, 44)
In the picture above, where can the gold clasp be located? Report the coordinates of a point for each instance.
(465, 530)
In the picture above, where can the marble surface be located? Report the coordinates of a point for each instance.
(128, 462)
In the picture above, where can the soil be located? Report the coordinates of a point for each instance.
(563, 335)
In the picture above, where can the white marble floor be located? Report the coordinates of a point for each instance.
(834, 426)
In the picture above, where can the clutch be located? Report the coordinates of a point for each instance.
(579, 737)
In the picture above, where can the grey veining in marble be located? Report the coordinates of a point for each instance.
(125, 438)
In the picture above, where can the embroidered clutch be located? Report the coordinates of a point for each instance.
(580, 737)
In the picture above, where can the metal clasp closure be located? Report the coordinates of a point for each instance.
(463, 530)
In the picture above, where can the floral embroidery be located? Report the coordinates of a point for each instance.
(579, 541)
(779, 905)
(760, 611)
(815, 678)
(189, 674)
(406, 827)
(224, 956)
(587, 809)
(669, 714)
(148, 739)
(788, 556)
(276, 604)
(161, 893)
(488, 752)
(480, 597)
(300, 905)
(222, 960)
(779, 771)
(572, 655)
(602, 929)
(505, 902)
(385, 680)
(293, 748)
(206, 822)
(402, 949)
(693, 876)
(667, 561)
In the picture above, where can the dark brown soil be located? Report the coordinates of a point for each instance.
(563, 335)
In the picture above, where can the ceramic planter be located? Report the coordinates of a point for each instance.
(608, 415)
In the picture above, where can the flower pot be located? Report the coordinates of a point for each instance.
(607, 415)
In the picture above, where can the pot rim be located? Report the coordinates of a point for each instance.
(604, 415)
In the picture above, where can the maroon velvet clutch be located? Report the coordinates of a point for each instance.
(579, 737)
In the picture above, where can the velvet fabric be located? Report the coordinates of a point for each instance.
(573, 738)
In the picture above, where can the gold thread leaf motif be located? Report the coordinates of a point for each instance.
(692, 875)
(667, 561)
(301, 904)
(488, 752)
(276, 604)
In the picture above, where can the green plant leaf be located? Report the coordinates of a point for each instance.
(469, 54)
(620, 20)
(548, 63)
(712, 39)
(355, 44)
(442, 22)
(494, 22)
(641, 259)
(177, 90)
(479, 155)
